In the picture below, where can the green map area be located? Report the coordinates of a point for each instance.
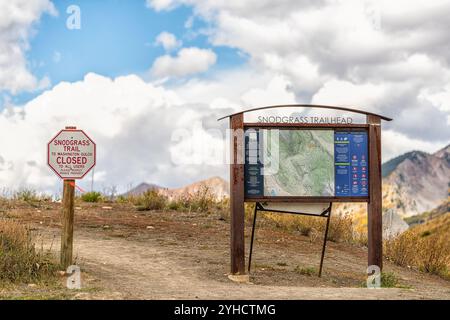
(306, 163)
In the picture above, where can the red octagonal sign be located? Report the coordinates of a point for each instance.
(71, 154)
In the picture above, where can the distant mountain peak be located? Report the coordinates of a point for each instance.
(416, 181)
(143, 187)
(388, 167)
(443, 153)
(215, 186)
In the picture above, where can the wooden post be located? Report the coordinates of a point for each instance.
(68, 211)
(374, 206)
(237, 194)
(67, 223)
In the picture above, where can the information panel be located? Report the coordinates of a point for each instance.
(303, 162)
(351, 167)
(254, 180)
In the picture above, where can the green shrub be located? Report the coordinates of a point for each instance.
(174, 205)
(425, 233)
(92, 196)
(123, 199)
(150, 200)
(30, 196)
(27, 195)
(308, 271)
(201, 201)
(389, 280)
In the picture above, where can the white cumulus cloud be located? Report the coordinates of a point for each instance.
(16, 22)
(159, 5)
(131, 121)
(187, 61)
(168, 41)
(391, 58)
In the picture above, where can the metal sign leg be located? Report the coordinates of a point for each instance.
(253, 237)
(324, 243)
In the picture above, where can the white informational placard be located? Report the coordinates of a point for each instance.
(294, 207)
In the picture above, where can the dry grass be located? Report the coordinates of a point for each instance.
(150, 200)
(426, 247)
(20, 261)
(5, 205)
(341, 229)
(306, 271)
(433, 254)
(30, 196)
(201, 201)
(401, 249)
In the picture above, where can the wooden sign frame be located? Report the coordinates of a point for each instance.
(237, 196)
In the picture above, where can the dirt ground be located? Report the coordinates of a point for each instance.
(128, 254)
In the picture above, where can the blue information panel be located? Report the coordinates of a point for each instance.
(350, 164)
(351, 167)
(253, 178)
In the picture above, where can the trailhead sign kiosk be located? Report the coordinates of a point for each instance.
(71, 154)
(301, 165)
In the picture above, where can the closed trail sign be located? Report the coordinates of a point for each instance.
(71, 154)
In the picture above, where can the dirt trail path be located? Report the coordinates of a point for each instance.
(128, 254)
(144, 270)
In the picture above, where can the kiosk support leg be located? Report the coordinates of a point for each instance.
(237, 222)
(252, 238)
(324, 243)
(374, 206)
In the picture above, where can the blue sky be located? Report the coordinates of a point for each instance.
(117, 37)
(353, 53)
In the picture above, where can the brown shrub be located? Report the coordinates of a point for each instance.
(340, 225)
(341, 228)
(149, 200)
(433, 255)
(202, 200)
(19, 259)
(401, 249)
(426, 251)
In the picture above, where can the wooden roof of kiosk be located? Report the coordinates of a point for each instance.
(310, 106)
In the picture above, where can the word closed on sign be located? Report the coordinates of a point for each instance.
(71, 154)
